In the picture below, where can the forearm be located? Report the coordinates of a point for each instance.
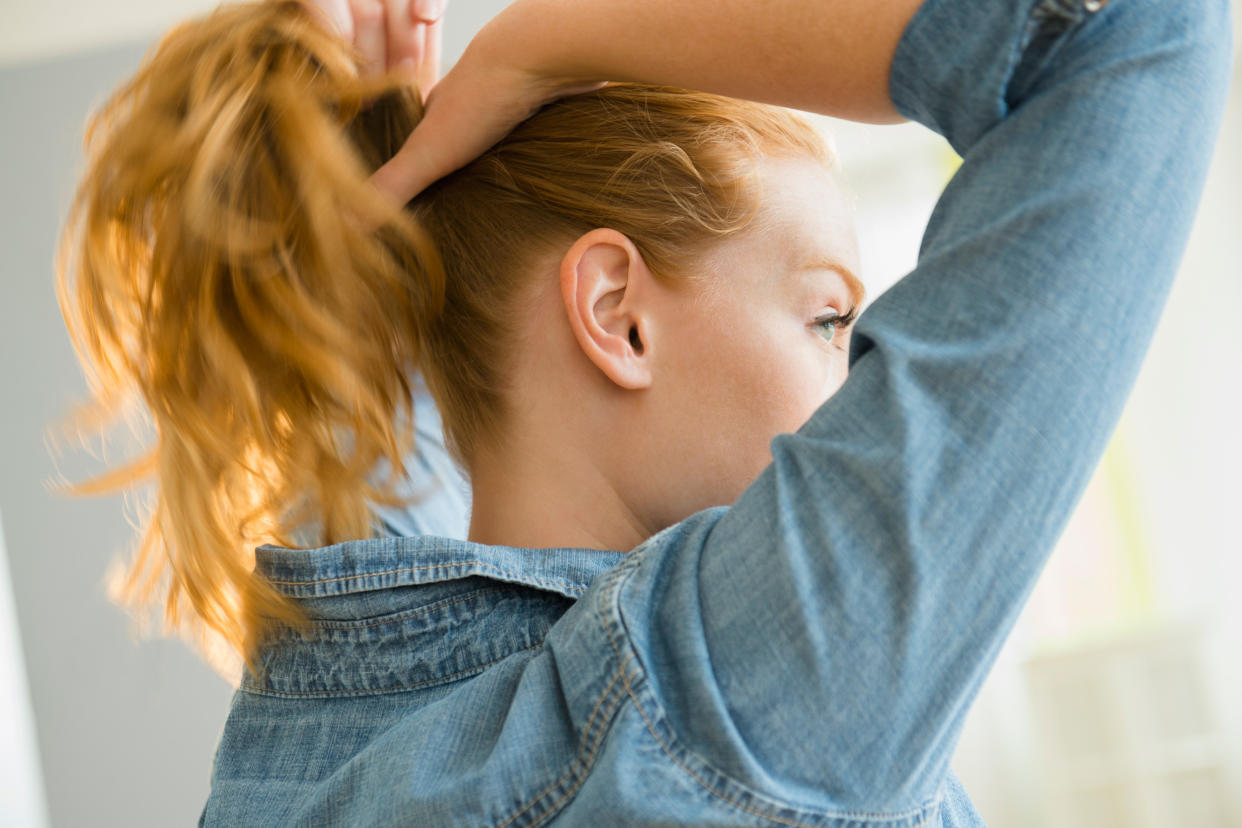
(820, 56)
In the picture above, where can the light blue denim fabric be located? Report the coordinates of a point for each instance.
(446, 497)
(807, 655)
(444, 493)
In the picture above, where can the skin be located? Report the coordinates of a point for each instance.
(827, 56)
(401, 36)
(637, 405)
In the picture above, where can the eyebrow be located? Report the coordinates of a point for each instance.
(858, 292)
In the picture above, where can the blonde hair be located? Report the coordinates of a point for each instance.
(216, 264)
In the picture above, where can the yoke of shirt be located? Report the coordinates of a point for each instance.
(451, 683)
(402, 613)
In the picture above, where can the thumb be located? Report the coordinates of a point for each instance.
(456, 128)
(466, 113)
(412, 170)
(437, 146)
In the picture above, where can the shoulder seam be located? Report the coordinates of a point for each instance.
(593, 734)
(795, 816)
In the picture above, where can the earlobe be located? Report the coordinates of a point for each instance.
(603, 284)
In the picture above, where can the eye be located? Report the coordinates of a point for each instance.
(834, 323)
(828, 326)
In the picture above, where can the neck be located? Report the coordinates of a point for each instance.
(547, 496)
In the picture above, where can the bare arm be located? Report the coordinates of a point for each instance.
(826, 56)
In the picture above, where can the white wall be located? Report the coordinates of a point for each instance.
(22, 801)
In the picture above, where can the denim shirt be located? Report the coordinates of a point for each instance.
(807, 655)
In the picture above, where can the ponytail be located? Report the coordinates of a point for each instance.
(217, 265)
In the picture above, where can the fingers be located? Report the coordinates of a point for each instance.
(370, 36)
(401, 35)
(403, 43)
(429, 68)
(409, 172)
(427, 11)
(419, 163)
(456, 128)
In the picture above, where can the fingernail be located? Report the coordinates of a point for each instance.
(429, 10)
(407, 68)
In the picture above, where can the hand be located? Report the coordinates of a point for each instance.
(401, 36)
(484, 96)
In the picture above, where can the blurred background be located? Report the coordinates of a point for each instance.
(1114, 703)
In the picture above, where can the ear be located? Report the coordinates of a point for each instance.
(604, 282)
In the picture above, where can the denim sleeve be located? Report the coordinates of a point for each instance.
(826, 637)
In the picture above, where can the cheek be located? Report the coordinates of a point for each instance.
(733, 399)
(771, 385)
(796, 384)
(741, 386)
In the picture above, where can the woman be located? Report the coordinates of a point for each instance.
(708, 579)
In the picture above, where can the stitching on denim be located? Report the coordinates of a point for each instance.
(629, 691)
(397, 618)
(848, 815)
(555, 807)
(523, 578)
(581, 765)
(260, 691)
(922, 814)
(586, 734)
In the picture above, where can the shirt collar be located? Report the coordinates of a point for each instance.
(380, 563)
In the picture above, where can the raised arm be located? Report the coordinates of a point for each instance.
(828, 633)
(828, 57)
(823, 638)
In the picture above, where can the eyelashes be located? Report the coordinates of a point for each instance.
(838, 322)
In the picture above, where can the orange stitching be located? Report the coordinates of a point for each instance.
(586, 731)
(586, 763)
(586, 766)
(668, 752)
(697, 778)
